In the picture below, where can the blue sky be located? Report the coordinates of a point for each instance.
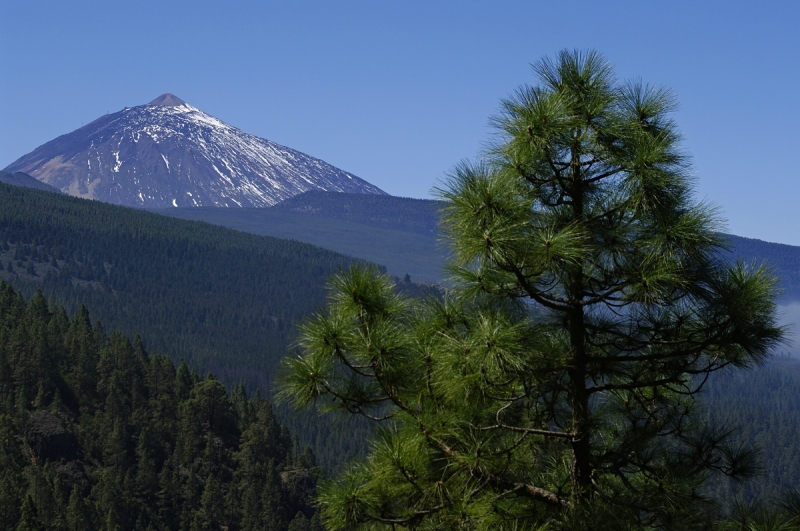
(399, 92)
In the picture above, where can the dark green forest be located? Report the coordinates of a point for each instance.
(763, 405)
(221, 299)
(224, 301)
(97, 434)
(229, 303)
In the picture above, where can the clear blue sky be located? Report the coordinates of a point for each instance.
(398, 92)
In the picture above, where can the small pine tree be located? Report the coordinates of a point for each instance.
(183, 381)
(112, 521)
(28, 519)
(299, 523)
(146, 473)
(78, 516)
(211, 514)
(9, 500)
(41, 401)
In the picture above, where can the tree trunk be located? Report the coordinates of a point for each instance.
(581, 467)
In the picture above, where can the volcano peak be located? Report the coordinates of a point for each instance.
(168, 100)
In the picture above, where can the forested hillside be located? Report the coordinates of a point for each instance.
(230, 302)
(222, 300)
(95, 433)
(764, 405)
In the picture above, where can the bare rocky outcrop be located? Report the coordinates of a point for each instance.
(48, 437)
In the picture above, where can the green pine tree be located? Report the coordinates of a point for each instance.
(42, 400)
(556, 381)
(78, 516)
(299, 523)
(183, 381)
(28, 520)
(10, 499)
(273, 505)
(112, 521)
(211, 514)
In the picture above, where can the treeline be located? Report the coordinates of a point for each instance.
(763, 406)
(222, 300)
(97, 434)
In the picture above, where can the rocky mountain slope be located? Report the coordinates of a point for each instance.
(168, 154)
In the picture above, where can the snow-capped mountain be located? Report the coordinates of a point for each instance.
(168, 153)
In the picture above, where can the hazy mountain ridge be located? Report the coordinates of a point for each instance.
(168, 153)
(401, 251)
(402, 233)
(23, 179)
(386, 211)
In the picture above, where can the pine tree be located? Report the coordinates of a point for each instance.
(43, 489)
(28, 520)
(78, 516)
(41, 401)
(10, 500)
(112, 521)
(192, 492)
(146, 472)
(108, 494)
(169, 495)
(556, 381)
(82, 352)
(242, 406)
(273, 505)
(183, 381)
(299, 523)
(212, 511)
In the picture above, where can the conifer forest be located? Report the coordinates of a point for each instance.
(600, 355)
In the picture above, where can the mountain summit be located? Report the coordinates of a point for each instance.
(168, 153)
(168, 100)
